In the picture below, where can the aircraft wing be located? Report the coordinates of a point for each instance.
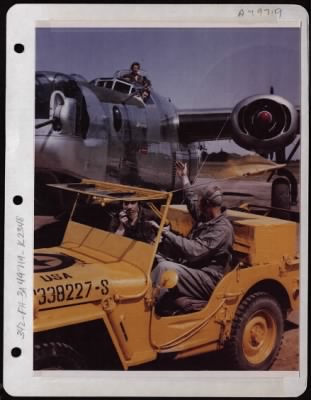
(260, 123)
(238, 167)
(210, 124)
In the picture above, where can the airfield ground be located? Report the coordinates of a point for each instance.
(259, 193)
(256, 187)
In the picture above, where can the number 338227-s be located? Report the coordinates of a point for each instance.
(69, 292)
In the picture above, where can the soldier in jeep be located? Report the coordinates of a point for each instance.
(203, 254)
(133, 222)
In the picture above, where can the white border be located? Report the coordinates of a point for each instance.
(19, 379)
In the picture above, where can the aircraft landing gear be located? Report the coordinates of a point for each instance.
(284, 193)
(280, 198)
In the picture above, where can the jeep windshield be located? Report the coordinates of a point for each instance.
(113, 207)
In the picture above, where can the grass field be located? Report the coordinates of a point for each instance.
(210, 166)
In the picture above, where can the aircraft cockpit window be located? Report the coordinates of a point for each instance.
(105, 83)
(115, 84)
(122, 87)
(109, 84)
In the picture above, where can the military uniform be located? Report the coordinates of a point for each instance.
(140, 79)
(141, 230)
(203, 254)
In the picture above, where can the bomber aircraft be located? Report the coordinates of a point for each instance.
(110, 128)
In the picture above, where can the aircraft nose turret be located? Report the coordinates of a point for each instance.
(74, 108)
(63, 112)
(76, 139)
(61, 103)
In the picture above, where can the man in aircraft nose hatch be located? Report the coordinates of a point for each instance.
(201, 258)
(135, 76)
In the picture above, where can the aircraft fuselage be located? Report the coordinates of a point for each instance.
(104, 133)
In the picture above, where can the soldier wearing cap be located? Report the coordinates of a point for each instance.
(135, 76)
(133, 221)
(203, 255)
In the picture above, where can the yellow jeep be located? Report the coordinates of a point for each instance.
(94, 303)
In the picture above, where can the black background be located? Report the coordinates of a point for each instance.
(4, 6)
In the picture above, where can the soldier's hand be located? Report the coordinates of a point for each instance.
(181, 168)
(123, 218)
(156, 226)
(166, 229)
(153, 224)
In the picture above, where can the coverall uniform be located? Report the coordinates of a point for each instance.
(141, 79)
(203, 254)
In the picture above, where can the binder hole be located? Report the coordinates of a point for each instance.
(16, 352)
(17, 200)
(19, 48)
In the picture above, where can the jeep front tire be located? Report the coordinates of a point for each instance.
(56, 356)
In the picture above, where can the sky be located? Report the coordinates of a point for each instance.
(194, 67)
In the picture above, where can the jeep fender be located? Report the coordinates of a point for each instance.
(62, 316)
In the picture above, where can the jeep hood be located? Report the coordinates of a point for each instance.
(67, 276)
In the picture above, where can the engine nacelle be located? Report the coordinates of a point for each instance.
(264, 123)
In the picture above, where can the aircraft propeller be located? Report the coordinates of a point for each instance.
(264, 123)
